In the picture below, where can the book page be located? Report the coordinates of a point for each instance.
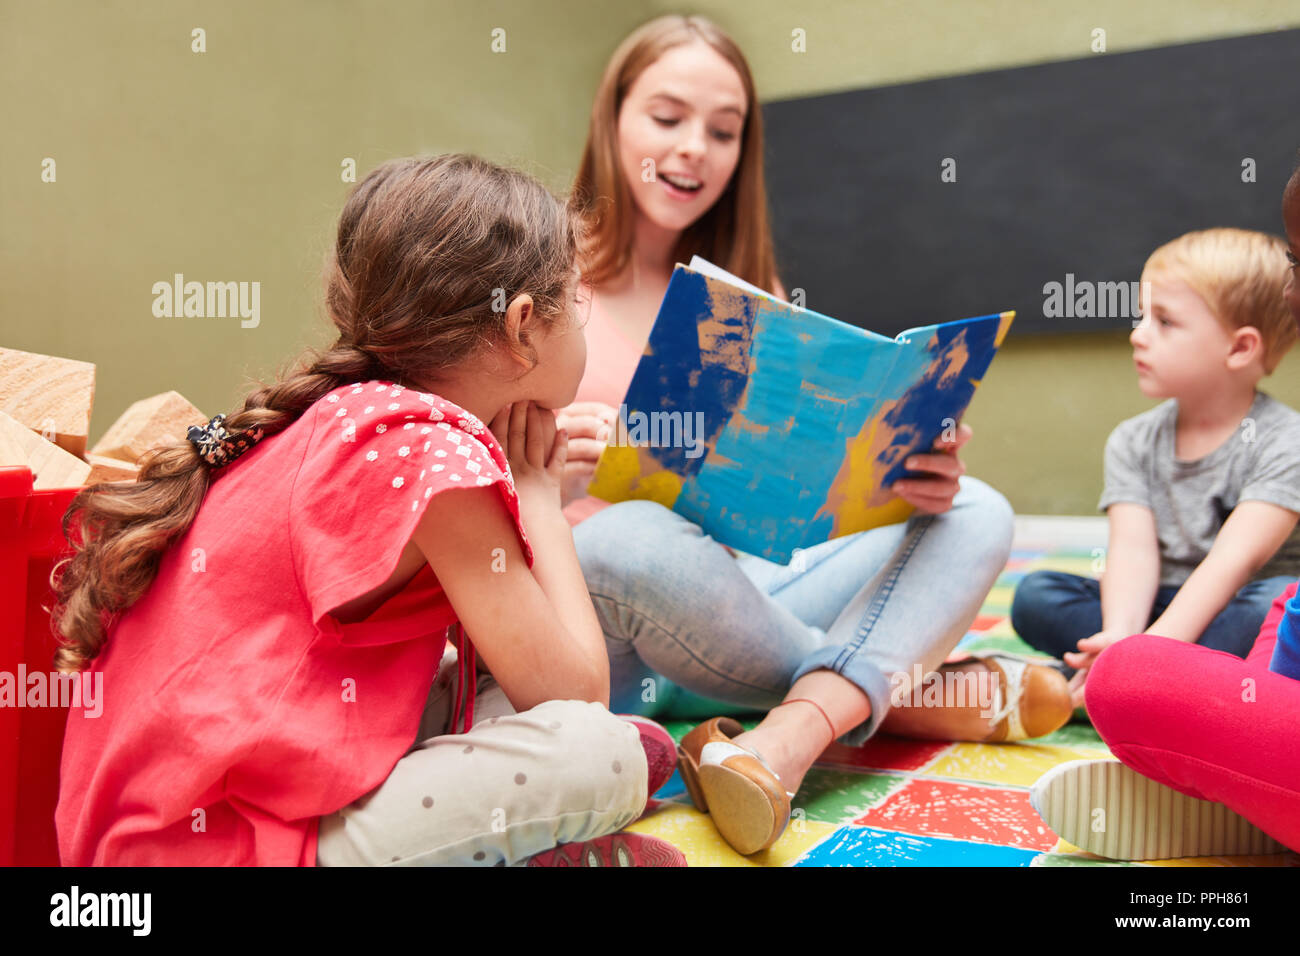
(707, 268)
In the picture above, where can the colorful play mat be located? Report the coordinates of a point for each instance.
(897, 802)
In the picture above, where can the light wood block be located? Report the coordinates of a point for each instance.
(159, 420)
(51, 466)
(49, 395)
(110, 469)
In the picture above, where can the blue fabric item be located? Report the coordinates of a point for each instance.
(1286, 652)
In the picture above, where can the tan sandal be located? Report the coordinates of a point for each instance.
(1031, 700)
(749, 806)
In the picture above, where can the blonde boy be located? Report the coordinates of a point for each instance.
(1202, 492)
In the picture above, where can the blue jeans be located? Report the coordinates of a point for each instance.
(1052, 611)
(691, 630)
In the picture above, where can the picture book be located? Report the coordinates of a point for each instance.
(775, 428)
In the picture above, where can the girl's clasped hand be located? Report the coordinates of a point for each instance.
(536, 451)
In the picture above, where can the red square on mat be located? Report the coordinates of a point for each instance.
(942, 808)
(986, 622)
(883, 752)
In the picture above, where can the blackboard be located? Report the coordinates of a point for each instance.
(1078, 168)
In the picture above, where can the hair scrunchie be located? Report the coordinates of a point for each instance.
(217, 446)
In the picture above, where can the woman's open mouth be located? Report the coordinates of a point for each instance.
(680, 186)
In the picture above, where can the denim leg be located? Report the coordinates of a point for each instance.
(1053, 611)
(925, 580)
(1235, 628)
(678, 612)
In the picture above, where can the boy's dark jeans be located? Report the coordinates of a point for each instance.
(1052, 611)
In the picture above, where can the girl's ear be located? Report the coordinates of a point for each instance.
(1247, 345)
(521, 321)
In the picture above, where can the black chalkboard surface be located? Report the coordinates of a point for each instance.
(1069, 172)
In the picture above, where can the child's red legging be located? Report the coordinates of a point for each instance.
(1206, 723)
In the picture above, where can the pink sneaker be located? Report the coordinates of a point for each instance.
(660, 751)
(617, 849)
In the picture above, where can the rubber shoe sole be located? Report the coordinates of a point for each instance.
(618, 849)
(1106, 808)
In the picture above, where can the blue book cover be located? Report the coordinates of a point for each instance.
(774, 427)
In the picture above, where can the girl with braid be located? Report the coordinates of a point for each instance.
(270, 603)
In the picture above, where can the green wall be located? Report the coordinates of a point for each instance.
(225, 166)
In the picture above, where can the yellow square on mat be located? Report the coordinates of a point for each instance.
(1013, 764)
(693, 833)
(999, 597)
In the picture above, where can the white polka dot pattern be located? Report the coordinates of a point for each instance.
(416, 444)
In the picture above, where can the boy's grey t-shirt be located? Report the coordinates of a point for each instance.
(1192, 500)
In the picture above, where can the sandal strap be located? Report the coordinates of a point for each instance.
(1007, 704)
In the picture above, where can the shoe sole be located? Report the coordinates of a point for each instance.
(742, 810)
(621, 850)
(660, 749)
(744, 814)
(1141, 819)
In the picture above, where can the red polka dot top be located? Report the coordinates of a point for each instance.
(235, 709)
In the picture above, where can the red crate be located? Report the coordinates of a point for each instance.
(31, 738)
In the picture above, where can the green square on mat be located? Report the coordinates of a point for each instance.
(1002, 642)
(1074, 735)
(680, 728)
(677, 728)
(833, 796)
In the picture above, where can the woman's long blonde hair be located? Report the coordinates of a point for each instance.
(424, 250)
(736, 232)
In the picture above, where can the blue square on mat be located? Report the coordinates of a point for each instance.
(673, 788)
(868, 846)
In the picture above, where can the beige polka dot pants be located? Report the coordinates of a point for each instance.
(515, 785)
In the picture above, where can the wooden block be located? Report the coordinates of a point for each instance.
(159, 420)
(51, 466)
(50, 395)
(110, 469)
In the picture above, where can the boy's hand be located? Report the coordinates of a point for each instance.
(1090, 647)
(1076, 689)
(589, 425)
(536, 452)
(934, 495)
